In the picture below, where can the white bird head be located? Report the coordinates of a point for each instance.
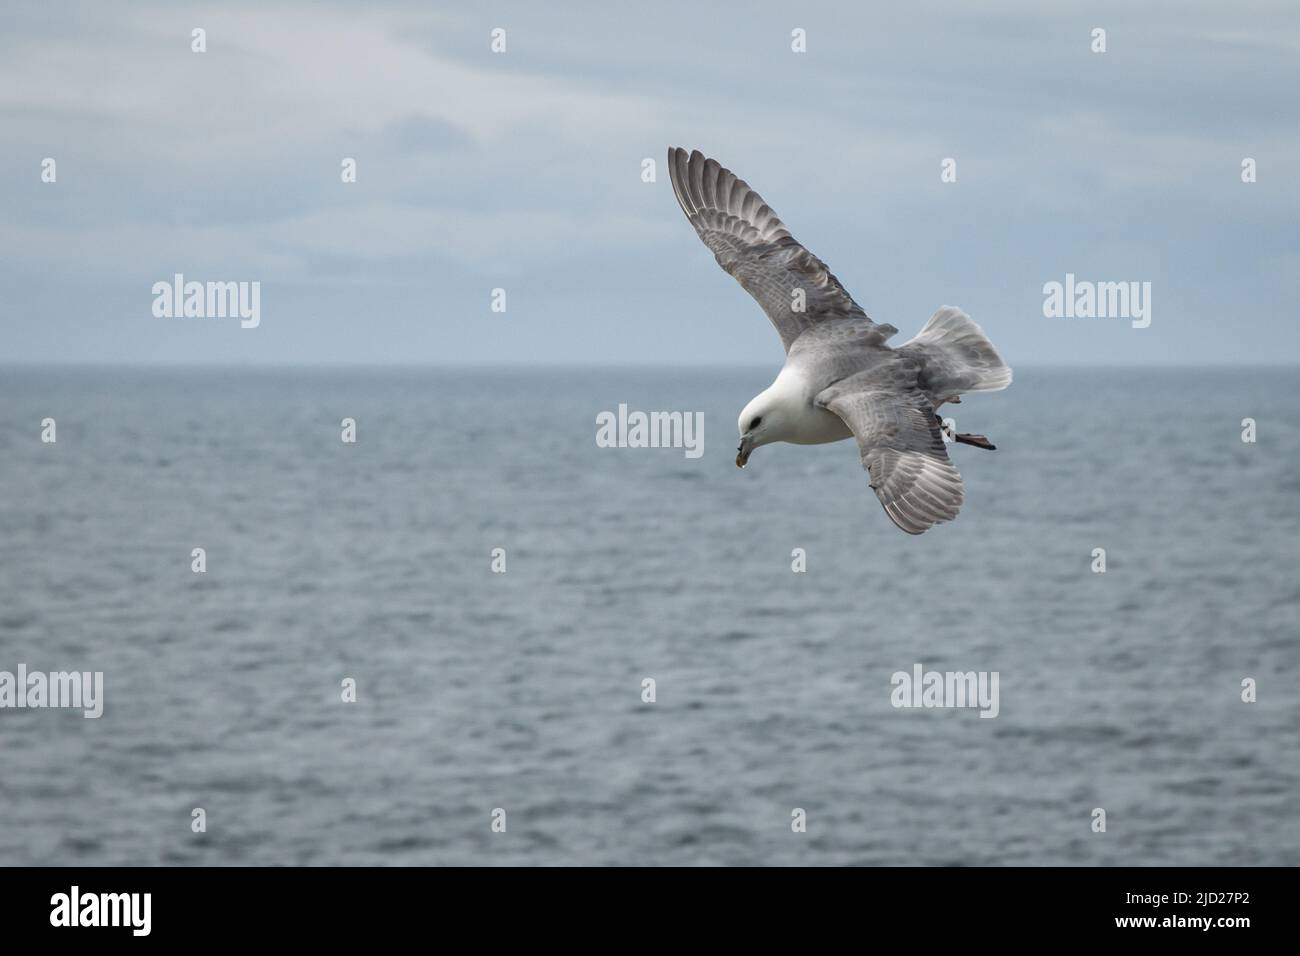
(759, 424)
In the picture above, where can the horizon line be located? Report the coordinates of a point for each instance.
(595, 366)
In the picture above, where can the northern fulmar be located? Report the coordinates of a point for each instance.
(840, 379)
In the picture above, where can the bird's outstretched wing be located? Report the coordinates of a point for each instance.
(752, 244)
(902, 447)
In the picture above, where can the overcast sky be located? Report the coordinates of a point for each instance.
(522, 170)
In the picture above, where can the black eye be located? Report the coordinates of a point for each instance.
(755, 423)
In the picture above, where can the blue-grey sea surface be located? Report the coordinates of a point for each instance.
(523, 691)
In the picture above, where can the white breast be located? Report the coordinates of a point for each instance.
(817, 426)
(805, 423)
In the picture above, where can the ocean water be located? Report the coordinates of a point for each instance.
(522, 690)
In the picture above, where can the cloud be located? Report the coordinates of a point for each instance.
(425, 134)
(477, 168)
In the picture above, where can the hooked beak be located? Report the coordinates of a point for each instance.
(742, 453)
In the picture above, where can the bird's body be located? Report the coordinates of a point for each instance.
(840, 378)
(796, 417)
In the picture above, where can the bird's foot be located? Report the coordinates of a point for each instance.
(979, 441)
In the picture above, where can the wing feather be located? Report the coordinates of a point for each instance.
(751, 243)
(902, 449)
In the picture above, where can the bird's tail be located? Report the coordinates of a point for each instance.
(958, 355)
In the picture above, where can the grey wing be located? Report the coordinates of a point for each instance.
(752, 244)
(902, 449)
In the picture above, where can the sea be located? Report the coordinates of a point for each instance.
(474, 636)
